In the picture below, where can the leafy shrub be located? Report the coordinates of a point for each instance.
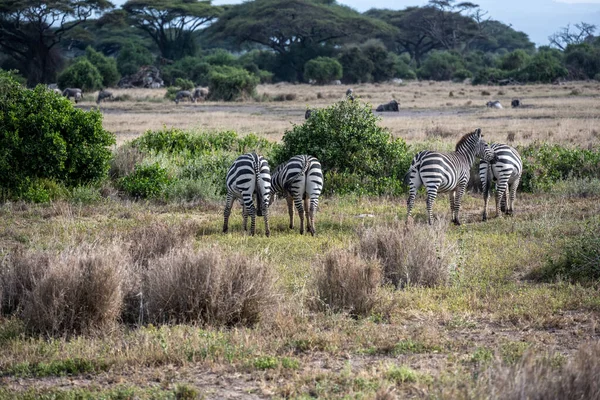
(209, 286)
(357, 155)
(14, 75)
(544, 67)
(545, 164)
(582, 61)
(82, 74)
(516, 60)
(230, 83)
(132, 57)
(414, 255)
(146, 181)
(107, 66)
(461, 74)
(384, 63)
(45, 138)
(195, 69)
(322, 70)
(440, 66)
(356, 66)
(344, 282)
(184, 84)
(488, 75)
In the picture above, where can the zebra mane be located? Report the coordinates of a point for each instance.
(466, 137)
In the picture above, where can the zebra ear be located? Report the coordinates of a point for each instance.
(478, 132)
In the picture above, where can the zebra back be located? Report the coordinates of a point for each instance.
(250, 173)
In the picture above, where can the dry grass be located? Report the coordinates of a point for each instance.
(345, 282)
(411, 254)
(208, 287)
(538, 379)
(79, 291)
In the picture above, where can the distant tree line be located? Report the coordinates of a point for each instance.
(91, 43)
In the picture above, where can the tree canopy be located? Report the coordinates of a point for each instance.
(31, 29)
(171, 23)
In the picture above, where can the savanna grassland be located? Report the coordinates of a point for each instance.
(485, 311)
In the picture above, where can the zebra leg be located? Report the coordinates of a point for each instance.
(431, 195)
(500, 193)
(300, 208)
(249, 209)
(227, 212)
(290, 203)
(245, 217)
(265, 208)
(314, 203)
(307, 214)
(460, 191)
(453, 211)
(513, 196)
(414, 185)
(486, 188)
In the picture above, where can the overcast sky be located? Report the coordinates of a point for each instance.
(537, 18)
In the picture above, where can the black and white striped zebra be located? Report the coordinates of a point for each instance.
(506, 171)
(446, 172)
(300, 180)
(249, 176)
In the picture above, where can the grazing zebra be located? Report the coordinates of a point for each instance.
(506, 171)
(494, 104)
(446, 172)
(249, 175)
(300, 180)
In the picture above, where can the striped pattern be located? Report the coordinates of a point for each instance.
(506, 171)
(249, 176)
(300, 180)
(446, 172)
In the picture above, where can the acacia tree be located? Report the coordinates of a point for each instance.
(568, 35)
(297, 30)
(31, 29)
(171, 23)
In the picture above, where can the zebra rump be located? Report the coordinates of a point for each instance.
(249, 176)
(300, 180)
(506, 170)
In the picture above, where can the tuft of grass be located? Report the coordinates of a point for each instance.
(69, 366)
(402, 374)
(411, 255)
(209, 286)
(344, 282)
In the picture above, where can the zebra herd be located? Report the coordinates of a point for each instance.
(300, 181)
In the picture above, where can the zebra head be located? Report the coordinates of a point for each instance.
(472, 145)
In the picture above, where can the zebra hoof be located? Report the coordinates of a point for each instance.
(456, 222)
(484, 218)
(268, 233)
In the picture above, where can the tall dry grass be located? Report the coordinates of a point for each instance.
(410, 254)
(157, 239)
(78, 291)
(209, 287)
(345, 282)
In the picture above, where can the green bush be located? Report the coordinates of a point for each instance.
(357, 155)
(516, 60)
(146, 181)
(545, 164)
(384, 62)
(582, 61)
(44, 137)
(230, 83)
(461, 74)
(487, 75)
(545, 67)
(107, 66)
(356, 65)
(13, 74)
(194, 69)
(132, 57)
(440, 66)
(184, 84)
(322, 70)
(82, 74)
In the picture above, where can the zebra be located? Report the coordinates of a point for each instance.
(506, 171)
(73, 92)
(249, 175)
(184, 93)
(104, 94)
(494, 104)
(446, 172)
(200, 93)
(300, 180)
